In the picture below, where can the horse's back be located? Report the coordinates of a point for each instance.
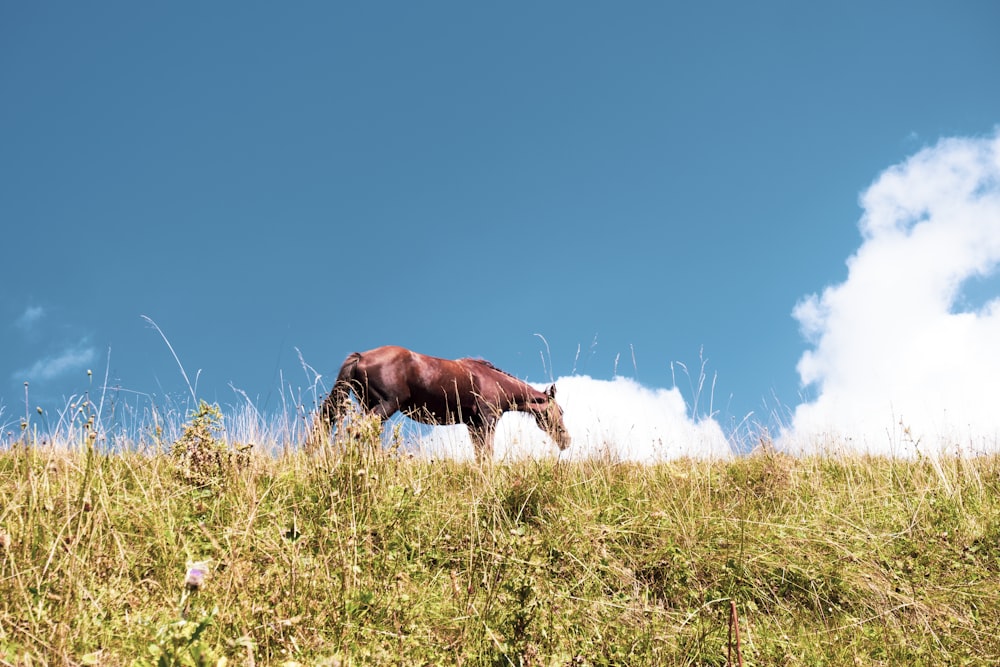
(384, 356)
(405, 371)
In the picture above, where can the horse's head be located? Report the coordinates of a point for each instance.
(550, 420)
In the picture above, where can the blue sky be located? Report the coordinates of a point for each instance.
(636, 183)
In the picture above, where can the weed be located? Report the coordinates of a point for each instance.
(180, 643)
(203, 457)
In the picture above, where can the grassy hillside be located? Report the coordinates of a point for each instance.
(205, 554)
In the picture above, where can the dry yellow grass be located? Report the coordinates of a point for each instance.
(362, 555)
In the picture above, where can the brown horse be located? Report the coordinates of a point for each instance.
(473, 392)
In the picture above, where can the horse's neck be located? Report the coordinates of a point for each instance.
(521, 396)
(512, 393)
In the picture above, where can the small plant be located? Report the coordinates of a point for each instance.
(204, 457)
(518, 609)
(179, 643)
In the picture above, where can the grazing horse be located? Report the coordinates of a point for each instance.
(473, 392)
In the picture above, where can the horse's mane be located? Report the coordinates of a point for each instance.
(489, 364)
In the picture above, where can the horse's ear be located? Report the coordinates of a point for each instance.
(551, 391)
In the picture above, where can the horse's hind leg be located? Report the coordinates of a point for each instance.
(380, 410)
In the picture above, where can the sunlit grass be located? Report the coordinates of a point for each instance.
(361, 554)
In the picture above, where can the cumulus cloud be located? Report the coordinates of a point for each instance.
(69, 360)
(899, 360)
(619, 418)
(29, 317)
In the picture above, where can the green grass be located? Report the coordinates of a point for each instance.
(362, 555)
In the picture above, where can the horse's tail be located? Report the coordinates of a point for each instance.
(336, 403)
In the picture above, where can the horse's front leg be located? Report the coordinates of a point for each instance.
(482, 440)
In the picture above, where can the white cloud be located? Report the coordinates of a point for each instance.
(894, 359)
(74, 358)
(618, 418)
(29, 317)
